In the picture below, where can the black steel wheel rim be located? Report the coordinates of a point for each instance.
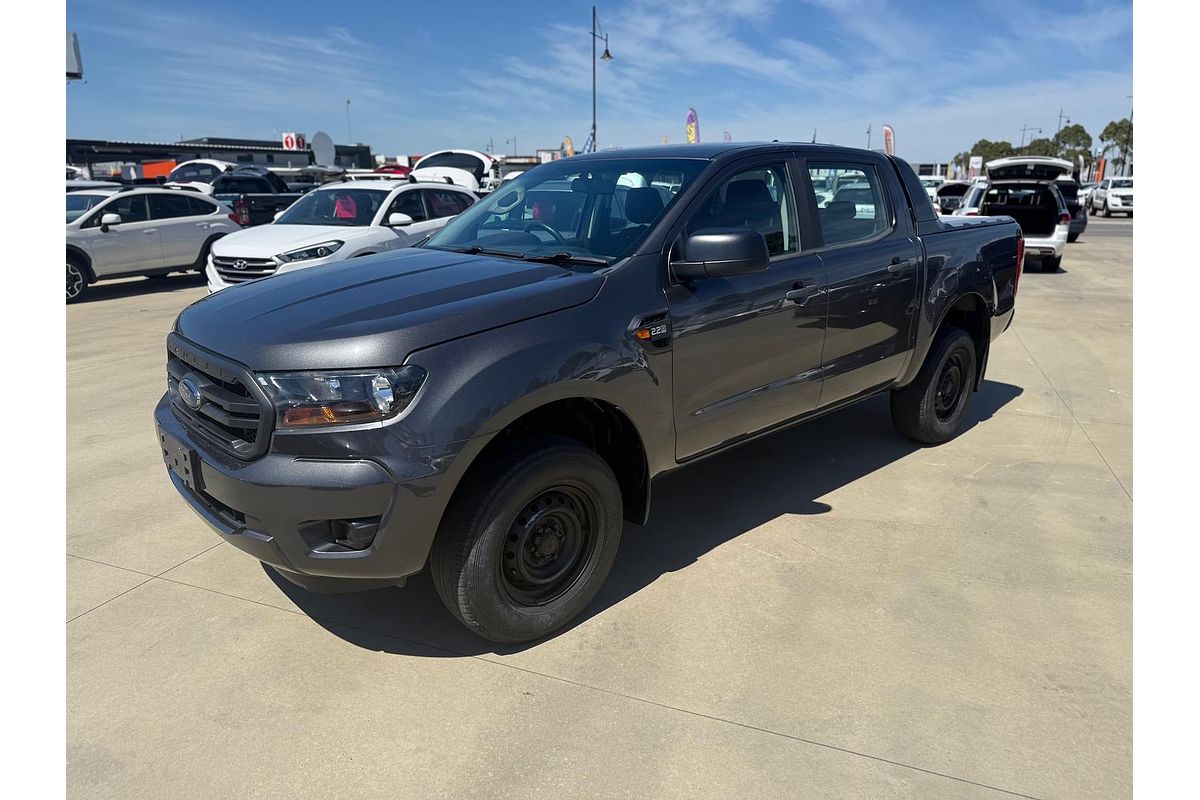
(950, 386)
(548, 545)
(74, 281)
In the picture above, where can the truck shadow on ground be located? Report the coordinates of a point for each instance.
(694, 511)
(135, 287)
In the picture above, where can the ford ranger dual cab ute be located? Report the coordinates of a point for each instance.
(497, 401)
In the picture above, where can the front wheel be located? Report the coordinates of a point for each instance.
(77, 281)
(931, 410)
(1107, 210)
(528, 539)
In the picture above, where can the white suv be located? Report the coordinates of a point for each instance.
(1113, 194)
(335, 222)
(113, 233)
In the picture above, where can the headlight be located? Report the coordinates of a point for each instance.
(312, 251)
(313, 399)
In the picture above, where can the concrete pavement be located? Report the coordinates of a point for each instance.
(828, 612)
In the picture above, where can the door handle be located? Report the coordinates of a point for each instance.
(899, 264)
(800, 292)
(150, 231)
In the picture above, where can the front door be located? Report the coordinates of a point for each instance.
(745, 356)
(872, 269)
(134, 245)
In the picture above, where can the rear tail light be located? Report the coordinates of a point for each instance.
(1064, 218)
(1020, 263)
(235, 218)
(241, 211)
(971, 214)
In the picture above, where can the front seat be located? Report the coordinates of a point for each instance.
(748, 204)
(643, 205)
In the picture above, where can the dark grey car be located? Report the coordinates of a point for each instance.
(497, 401)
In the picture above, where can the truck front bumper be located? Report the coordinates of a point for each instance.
(333, 523)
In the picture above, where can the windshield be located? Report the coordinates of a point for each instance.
(80, 202)
(350, 206)
(589, 209)
(1122, 183)
(457, 160)
(202, 173)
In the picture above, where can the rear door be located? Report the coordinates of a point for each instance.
(871, 262)
(135, 245)
(745, 356)
(183, 230)
(440, 205)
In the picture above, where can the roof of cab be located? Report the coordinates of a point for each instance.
(712, 150)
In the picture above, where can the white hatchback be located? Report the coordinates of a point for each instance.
(333, 223)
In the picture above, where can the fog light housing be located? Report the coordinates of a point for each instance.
(357, 534)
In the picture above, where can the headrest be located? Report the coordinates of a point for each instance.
(748, 193)
(643, 205)
(841, 209)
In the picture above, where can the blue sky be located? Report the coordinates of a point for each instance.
(424, 75)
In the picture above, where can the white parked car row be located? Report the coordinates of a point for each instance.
(335, 222)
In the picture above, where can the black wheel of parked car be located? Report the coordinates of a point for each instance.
(1052, 264)
(1107, 210)
(931, 409)
(77, 279)
(1071, 237)
(528, 539)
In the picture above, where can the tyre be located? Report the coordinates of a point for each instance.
(1071, 237)
(528, 539)
(1107, 210)
(931, 410)
(1052, 264)
(77, 279)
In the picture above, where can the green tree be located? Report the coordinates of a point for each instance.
(1072, 142)
(1119, 135)
(992, 150)
(1041, 147)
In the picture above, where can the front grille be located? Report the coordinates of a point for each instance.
(246, 269)
(234, 414)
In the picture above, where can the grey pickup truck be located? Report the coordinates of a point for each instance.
(498, 400)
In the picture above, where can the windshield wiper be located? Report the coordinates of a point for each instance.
(476, 250)
(566, 258)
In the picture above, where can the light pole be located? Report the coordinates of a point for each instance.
(607, 56)
(349, 136)
(1027, 129)
(513, 142)
(1061, 118)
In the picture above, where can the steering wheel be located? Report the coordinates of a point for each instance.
(544, 227)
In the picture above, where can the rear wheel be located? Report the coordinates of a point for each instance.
(1071, 237)
(1052, 264)
(528, 540)
(932, 409)
(77, 280)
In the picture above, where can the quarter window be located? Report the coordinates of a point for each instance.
(758, 199)
(849, 202)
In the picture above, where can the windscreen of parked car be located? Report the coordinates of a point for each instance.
(201, 173)
(346, 205)
(79, 202)
(1122, 183)
(457, 160)
(593, 211)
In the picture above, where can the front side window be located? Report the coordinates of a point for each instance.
(344, 205)
(408, 203)
(131, 208)
(580, 209)
(757, 198)
(855, 209)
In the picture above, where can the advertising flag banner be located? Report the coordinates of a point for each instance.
(568, 146)
(976, 165)
(889, 140)
(692, 127)
(727, 136)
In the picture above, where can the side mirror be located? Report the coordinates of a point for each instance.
(722, 252)
(278, 214)
(108, 220)
(396, 220)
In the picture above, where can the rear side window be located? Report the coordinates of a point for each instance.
(166, 206)
(850, 203)
(197, 207)
(240, 186)
(443, 203)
